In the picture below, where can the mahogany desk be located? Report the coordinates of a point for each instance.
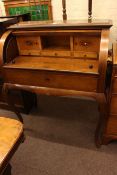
(59, 58)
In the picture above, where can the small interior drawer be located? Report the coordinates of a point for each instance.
(55, 53)
(92, 55)
(28, 43)
(86, 43)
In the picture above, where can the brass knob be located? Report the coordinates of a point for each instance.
(85, 44)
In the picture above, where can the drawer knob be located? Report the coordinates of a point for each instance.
(85, 55)
(90, 66)
(84, 43)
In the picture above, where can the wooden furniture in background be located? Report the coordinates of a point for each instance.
(59, 58)
(111, 122)
(39, 9)
(23, 100)
(11, 135)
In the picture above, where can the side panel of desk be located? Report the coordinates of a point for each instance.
(23, 100)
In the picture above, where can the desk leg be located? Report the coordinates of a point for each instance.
(7, 92)
(102, 121)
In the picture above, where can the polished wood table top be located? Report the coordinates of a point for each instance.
(96, 24)
(53, 64)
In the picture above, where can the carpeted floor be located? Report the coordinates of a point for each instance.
(60, 140)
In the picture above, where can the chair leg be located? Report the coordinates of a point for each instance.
(7, 170)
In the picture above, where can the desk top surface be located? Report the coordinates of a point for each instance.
(74, 24)
(53, 64)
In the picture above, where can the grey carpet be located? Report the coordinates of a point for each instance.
(60, 140)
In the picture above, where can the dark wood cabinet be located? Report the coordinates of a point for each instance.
(111, 122)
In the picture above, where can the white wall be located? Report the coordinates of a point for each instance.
(78, 9)
(2, 10)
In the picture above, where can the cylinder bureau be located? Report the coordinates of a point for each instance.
(59, 58)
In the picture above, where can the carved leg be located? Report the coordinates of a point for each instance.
(7, 170)
(102, 120)
(10, 102)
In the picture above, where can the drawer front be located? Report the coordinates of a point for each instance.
(86, 55)
(28, 43)
(113, 104)
(45, 53)
(55, 53)
(111, 127)
(30, 52)
(63, 80)
(87, 43)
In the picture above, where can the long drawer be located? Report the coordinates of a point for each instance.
(54, 79)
